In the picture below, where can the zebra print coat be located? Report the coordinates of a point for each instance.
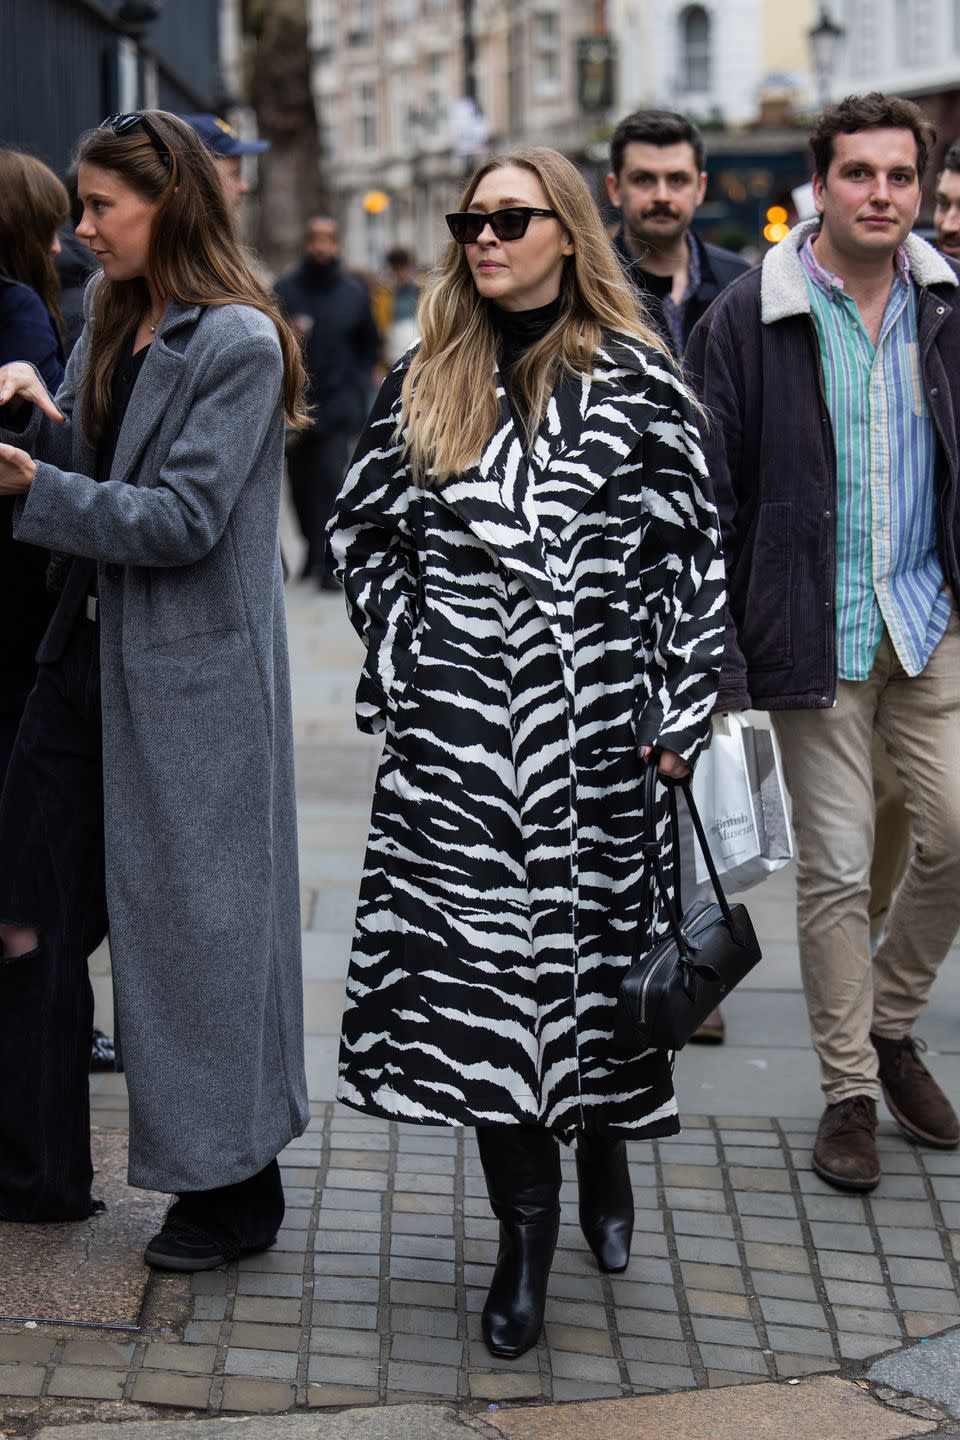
(528, 626)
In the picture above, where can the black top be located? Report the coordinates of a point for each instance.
(122, 387)
(516, 331)
(718, 267)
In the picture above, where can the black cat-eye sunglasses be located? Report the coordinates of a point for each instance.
(466, 226)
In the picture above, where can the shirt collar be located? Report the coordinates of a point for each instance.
(831, 284)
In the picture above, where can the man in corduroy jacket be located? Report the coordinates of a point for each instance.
(832, 377)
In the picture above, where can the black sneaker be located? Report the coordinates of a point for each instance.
(182, 1246)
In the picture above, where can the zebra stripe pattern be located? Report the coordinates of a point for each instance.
(528, 625)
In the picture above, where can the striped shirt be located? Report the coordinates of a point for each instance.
(888, 566)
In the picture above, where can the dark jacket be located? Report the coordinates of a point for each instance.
(75, 264)
(718, 267)
(755, 358)
(343, 345)
(26, 333)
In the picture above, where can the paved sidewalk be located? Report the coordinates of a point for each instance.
(747, 1270)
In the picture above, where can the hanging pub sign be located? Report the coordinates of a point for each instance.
(595, 56)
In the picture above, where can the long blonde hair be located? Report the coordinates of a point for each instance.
(449, 400)
(195, 255)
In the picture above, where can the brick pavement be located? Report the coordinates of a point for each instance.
(746, 1267)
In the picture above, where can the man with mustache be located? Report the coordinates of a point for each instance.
(946, 216)
(658, 181)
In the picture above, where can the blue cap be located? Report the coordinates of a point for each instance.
(221, 138)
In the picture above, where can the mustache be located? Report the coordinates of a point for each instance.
(659, 210)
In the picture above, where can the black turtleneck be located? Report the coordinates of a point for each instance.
(516, 331)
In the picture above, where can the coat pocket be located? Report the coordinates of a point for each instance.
(764, 624)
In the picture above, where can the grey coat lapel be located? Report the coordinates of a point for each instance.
(163, 371)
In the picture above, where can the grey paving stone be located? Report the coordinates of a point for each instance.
(157, 1387)
(354, 1180)
(836, 1236)
(848, 1210)
(86, 1382)
(260, 1364)
(783, 1287)
(209, 1282)
(578, 1339)
(930, 1370)
(641, 1271)
(422, 1379)
(753, 1157)
(423, 1163)
(251, 1336)
(583, 1390)
(655, 1324)
(852, 1292)
(579, 1287)
(415, 1320)
(258, 1396)
(331, 1240)
(660, 1377)
(102, 1352)
(935, 1273)
(795, 1366)
(496, 1386)
(435, 1271)
(711, 1277)
(328, 1340)
(735, 1359)
(712, 1201)
(580, 1314)
(695, 1222)
(347, 1159)
(713, 1329)
(654, 1352)
(426, 1247)
(344, 1370)
(924, 1244)
(417, 1292)
(208, 1307)
(346, 1287)
(798, 1340)
(718, 1302)
(267, 1309)
(359, 1265)
(201, 1332)
(708, 1251)
(755, 1177)
(763, 1138)
(771, 1230)
(765, 1203)
(250, 1282)
(873, 1322)
(857, 1345)
(791, 1259)
(21, 1380)
(409, 1224)
(906, 1213)
(792, 1312)
(273, 1262)
(565, 1365)
(902, 1187)
(344, 1315)
(838, 1266)
(426, 1349)
(937, 1302)
(335, 1200)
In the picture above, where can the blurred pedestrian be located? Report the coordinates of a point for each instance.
(946, 215)
(170, 809)
(658, 180)
(228, 150)
(331, 313)
(403, 292)
(840, 544)
(530, 555)
(33, 205)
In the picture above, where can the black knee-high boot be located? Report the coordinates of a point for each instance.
(606, 1199)
(521, 1165)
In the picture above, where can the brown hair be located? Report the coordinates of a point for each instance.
(870, 112)
(450, 406)
(195, 255)
(33, 206)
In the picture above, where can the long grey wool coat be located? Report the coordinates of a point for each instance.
(199, 807)
(528, 626)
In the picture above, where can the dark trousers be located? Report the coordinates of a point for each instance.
(317, 464)
(52, 878)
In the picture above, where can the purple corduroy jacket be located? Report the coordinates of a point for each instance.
(755, 360)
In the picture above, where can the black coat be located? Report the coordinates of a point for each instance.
(770, 449)
(718, 267)
(343, 345)
(26, 333)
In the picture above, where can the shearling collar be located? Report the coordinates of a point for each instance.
(783, 285)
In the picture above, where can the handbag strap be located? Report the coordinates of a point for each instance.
(653, 861)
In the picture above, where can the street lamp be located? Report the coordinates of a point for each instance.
(825, 38)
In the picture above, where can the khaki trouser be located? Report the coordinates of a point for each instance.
(827, 758)
(891, 845)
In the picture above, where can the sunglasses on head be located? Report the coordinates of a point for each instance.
(466, 226)
(122, 124)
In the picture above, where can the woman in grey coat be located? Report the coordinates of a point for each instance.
(171, 821)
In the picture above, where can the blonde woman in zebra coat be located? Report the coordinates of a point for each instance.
(530, 553)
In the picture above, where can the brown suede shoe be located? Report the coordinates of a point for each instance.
(845, 1150)
(712, 1032)
(913, 1097)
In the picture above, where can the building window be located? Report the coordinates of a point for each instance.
(546, 53)
(864, 33)
(694, 23)
(956, 26)
(360, 24)
(915, 31)
(367, 117)
(437, 99)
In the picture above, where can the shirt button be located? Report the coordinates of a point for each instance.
(827, 514)
(934, 391)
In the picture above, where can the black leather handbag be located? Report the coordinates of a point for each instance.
(670, 991)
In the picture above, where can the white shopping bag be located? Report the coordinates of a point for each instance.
(740, 792)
